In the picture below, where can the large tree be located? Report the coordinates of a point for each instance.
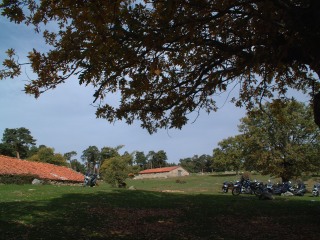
(169, 58)
(19, 140)
(281, 139)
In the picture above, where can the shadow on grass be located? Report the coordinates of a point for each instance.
(124, 214)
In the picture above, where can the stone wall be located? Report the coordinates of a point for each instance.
(178, 172)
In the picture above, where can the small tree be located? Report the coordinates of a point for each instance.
(47, 155)
(115, 170)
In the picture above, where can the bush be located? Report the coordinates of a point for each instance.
(17, 179)
(180, 181)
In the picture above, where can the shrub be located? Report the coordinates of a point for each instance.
(180, 181)
(17, 179)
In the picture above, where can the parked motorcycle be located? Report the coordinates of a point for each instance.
(299, 189)
(281, 188)
(316, 190)
(90, 180)
(247, 187)
(226, 186)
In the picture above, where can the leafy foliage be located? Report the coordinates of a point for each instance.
(169, 58)
(141, 159)
(18, 140)
(77, 166)
(47, 155)
(197, 163)
(17, 179)
(157, 159)
(229, 155)
(281, 139)
(91, 156)
(115, 170)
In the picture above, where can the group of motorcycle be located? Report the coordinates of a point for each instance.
(246, 186)
(243, 186)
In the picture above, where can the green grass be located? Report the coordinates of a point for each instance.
(158, 209)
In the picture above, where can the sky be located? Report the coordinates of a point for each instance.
(65, 120)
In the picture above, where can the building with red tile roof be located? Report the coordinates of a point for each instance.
(44, 171)
(176, 171)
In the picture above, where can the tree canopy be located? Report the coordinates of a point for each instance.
(47, 155)
(280, 139)
(169, 58)
(228, 155)
(17, 140)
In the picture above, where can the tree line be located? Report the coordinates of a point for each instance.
(20, 143)
(278, 138)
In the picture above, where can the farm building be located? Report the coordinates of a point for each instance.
(166, 172)
(42, 171)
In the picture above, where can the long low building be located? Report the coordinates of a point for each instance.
(44, 171)
(166, 172)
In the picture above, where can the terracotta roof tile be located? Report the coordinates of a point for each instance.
(9, 165)
(158, 170)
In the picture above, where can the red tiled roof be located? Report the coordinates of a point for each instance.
(158, 170)
(9, 165)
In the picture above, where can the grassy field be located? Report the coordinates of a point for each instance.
(190, 208)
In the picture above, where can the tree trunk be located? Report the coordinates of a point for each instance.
(316, 108)
(18, 154)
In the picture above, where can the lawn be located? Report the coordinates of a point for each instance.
(191, 208)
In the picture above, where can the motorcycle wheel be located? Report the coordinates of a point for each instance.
(224, 190)
(236, 191)
(258, 191)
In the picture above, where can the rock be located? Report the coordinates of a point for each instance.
(266, 196)
(287, 194)
(36, 182)
(132, 188)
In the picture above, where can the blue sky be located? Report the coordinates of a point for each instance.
(65, 119)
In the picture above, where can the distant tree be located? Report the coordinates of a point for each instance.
(161, 159)
(107, 153)
(169, 58)
(141, 159)
(19, 139)
(47, 155)
(7, 150)
(205, 163)
(188, 164)
(92, 157)
(33, 150)
(69, 155)
(229, 154)
(151, 159)
(156, 159)
(281, 139)
(77, 166)
(197, 163)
